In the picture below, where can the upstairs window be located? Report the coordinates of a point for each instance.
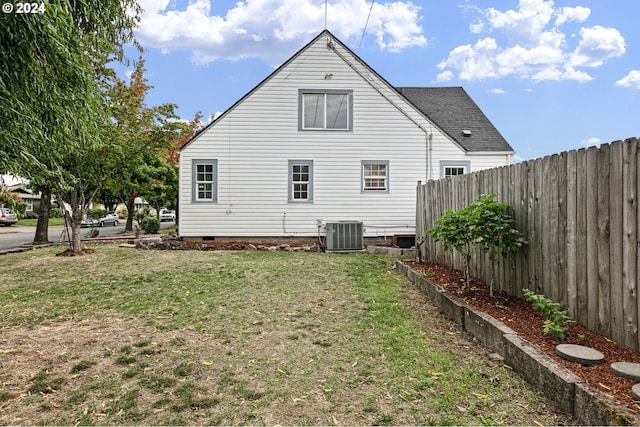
(375, 175)
(325, 110)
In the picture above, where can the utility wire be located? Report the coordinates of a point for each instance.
(366, 23)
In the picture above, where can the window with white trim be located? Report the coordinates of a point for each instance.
(454, 168)
(205, 181)
(300, 180)
(325, 109)
(375, 175)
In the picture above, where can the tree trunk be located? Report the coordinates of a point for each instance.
(130, 206)
(76, 244)
(42, 227)
(76, 201)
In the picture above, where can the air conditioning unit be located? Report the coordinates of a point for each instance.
(344, 236)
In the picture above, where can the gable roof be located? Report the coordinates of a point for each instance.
(266, 79)
(454, 112)
(448, 108)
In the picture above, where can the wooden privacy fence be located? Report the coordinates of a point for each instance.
(579, 212)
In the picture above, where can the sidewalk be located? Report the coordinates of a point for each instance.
(15, 229)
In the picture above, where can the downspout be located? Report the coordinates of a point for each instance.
(429, 155)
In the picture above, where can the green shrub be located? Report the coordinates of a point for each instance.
(150, 225)
(55, 212)
(485, 224)
(20, 209)
(96, 213)
(557, 322)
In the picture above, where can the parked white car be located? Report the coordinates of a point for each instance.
(167, 215)
(7, 217)
(110, 219)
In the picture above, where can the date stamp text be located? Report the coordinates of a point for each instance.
(23, 8)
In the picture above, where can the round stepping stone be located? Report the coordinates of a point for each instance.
(580, 354)
(626, 370)
(635, 390)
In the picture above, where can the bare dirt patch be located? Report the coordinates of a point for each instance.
(69, 252)
(520, 316)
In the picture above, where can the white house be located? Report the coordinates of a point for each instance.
(325, 139)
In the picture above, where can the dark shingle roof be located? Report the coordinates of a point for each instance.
(453, 111)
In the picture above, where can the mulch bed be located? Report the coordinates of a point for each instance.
(519, 315)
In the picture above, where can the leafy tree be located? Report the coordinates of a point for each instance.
(485, 224)
(173, 153)
(456, 230)
(8, 198)
(162, 189)
(53, 75)
(495, 232)
(106, 197)
(140, 133)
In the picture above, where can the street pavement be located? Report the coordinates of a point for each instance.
(15, 236)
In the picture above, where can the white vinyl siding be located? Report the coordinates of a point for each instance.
(256, 139)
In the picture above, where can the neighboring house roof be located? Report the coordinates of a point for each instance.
(456, 114)
(22, 191)
(448, 108)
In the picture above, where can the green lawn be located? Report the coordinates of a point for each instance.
(34, 222)
(126, 336)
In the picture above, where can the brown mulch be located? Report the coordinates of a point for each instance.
(519, 315)
(69, 252)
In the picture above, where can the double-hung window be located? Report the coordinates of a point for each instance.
(300, 181)
(205, 181)
(325, 109)
(375, 176)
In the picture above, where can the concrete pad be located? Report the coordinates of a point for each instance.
(626, 370)
(580, 354)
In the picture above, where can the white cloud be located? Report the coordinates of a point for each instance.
(445, 76)
(631, 80)
(568, 14)
(497, 91)
(473, 62)
(591, 141)
(528, 42)
(273, 29)
(597, 44)
(476, 27)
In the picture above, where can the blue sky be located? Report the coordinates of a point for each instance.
(551, 75)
